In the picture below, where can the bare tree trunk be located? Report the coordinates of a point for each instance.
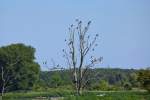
(2, 93)
(78, 49)
(75, 79)
(79, 91)
(3, 82)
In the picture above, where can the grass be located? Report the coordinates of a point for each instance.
(68, 95)
(33, 94)
(125, 95)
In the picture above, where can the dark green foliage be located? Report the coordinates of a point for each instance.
(144, 78)
(53, 79)
(115, 78)
(127, 86)
(20, 69)
(56, 80)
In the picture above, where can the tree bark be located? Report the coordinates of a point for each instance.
(78, 49)
(2, 92)
(3, 83)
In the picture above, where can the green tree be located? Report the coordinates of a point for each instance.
(18, 69)
(144, 78)
(56, 79)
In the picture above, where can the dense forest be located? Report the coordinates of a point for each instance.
(114, 78)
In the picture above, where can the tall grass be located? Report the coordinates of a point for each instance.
(68, 95)
(112, 96)
(33, 94)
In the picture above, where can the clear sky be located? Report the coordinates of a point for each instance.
(123, 25)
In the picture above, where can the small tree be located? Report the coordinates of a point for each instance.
(79, 45)
(56, 79)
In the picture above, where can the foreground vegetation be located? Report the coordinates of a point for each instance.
(68, 95)
(124, 95)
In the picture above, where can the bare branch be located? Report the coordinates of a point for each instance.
(78, 49)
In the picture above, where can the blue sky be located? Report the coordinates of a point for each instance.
(123, 25)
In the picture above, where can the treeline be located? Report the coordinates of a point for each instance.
(114, 78)
(19, 71)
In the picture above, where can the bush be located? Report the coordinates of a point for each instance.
(39, 86)
(95, 87)
(104, 85)
(144, 78)
(127, 86)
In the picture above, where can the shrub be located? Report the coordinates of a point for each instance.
(104, 85)
(144, 78)
(127, 86)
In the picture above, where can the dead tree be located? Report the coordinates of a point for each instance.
(79, 45)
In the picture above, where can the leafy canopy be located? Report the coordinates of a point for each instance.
(18, 67)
